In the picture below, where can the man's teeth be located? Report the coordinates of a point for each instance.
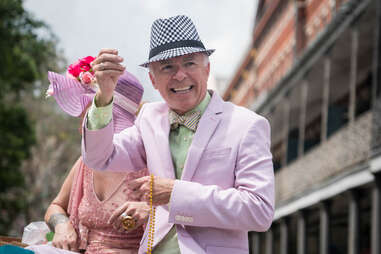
(182, 89)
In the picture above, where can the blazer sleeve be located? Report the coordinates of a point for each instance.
(249, 205)
(104, 150)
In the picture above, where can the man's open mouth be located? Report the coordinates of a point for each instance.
(182, 89)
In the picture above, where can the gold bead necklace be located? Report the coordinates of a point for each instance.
(151, 230)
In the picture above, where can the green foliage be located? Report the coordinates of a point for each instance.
(17, 135)
(24, 55)
(27, 51)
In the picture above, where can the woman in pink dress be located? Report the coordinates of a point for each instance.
(80, 214)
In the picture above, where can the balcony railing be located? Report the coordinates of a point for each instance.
(347, 147)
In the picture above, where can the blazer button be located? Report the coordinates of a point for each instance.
(189, 219)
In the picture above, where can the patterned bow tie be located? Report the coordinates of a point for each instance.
(188, 120)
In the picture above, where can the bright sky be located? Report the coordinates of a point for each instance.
(85, 26)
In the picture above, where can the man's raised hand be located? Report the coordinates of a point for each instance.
(107, 67)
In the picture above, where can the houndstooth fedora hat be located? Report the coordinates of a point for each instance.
(172, 37)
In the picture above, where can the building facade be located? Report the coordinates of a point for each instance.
(314, 71)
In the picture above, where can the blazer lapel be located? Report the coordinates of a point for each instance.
(162, 144)
(206, 127)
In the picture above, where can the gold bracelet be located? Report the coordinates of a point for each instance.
(152, 218)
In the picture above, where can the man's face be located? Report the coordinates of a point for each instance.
(181, 81)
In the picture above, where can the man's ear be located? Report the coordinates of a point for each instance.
(152, 78)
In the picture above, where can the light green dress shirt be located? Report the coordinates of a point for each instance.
(180, 140)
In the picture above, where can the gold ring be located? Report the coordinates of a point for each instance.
(128, 221)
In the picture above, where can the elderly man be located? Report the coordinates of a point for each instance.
(211, 160)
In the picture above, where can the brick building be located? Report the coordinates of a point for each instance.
(314, 71)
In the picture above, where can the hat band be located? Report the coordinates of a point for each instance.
(125, 103)
(176, 44)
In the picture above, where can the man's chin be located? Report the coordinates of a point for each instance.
(182, 109)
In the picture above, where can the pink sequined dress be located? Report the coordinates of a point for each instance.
(92, 214)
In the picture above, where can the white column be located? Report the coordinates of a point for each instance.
(353, 223)
(269, 242)
(324, 227)
(255, 242)
(283, 237)
(301, 234)
(376, 216)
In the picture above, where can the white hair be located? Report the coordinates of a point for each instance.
(150, 69)
(206, 59)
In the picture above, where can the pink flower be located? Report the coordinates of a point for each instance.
(84, 63)
(84, 66)
(86, 77)
(74, 69)
(87, 59)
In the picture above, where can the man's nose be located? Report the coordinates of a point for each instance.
(180, 74)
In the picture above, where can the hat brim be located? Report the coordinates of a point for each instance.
(73, 98)
(175, 52)
(70, 94)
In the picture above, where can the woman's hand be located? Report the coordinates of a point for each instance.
(65, 237)
(137, 210)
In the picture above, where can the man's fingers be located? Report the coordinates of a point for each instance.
(108, 66)
(135, 184)
(107, 58)
(140, 188)
(136, 195)
(114, 73)
(108, 51)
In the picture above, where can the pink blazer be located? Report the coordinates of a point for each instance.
(227, 185)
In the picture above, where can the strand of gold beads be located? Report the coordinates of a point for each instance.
(151, 230)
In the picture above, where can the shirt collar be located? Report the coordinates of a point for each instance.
(202, 106)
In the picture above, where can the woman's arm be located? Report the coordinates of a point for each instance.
(57, 219)
(60, 203)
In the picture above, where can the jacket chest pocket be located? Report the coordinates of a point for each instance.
(216, 153)
(216, 167)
